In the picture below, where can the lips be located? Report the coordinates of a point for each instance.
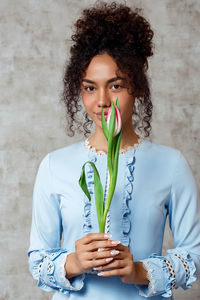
(99, 115)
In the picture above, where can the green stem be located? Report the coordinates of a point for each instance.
(109, 198)
(113, 178)
(102, 225)
(109, 156)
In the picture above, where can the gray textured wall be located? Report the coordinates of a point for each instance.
(33, 50)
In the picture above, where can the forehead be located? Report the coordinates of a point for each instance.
(102, 66)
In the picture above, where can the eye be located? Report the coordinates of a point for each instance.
(88, 88)
(116, 87)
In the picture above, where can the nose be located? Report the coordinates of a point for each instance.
(104, 99)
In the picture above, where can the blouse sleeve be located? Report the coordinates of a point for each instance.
(181, 265)
(45, 255)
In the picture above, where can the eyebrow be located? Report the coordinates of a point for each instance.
(109, 81)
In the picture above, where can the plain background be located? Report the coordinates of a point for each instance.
(34, 45)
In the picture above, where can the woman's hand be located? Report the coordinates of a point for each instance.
(95, 251)
(87, 254)
(130, 272)
(122, 265)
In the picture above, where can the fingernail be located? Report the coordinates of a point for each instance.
(107, 235)
(114, 252)
(115, 242)
(101, 249)
(100, 274)
(109, 259)
(97, 268)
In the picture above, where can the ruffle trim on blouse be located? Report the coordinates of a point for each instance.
(128, 189)
(107, 225)
(189, 261)
(87, 224)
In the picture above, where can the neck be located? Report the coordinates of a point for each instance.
(129, 138)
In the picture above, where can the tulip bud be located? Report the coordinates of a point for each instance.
(118, 123)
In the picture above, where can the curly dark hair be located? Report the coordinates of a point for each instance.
(127, 37)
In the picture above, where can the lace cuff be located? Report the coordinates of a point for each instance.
(158, 273)
(171, 272)
(184, 267)
(48, 269)
(168, 272)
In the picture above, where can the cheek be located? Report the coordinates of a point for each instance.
(85, 101)
(126, 108)
(88, 106)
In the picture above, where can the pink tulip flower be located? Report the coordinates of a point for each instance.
(118, 122)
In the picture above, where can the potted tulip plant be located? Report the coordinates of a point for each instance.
(112, 132)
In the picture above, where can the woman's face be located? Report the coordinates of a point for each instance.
(101, 86)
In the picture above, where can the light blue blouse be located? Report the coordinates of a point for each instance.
(154, 181)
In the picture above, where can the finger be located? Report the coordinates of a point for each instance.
(98, 255)
(116, 244)
(103, 254)
(100, 262)
(95, 237)
(107, 258)
(116, 272)
(102, 249)
(94, 245)
(114, 264)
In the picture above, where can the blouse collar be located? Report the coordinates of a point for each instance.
(121, 151)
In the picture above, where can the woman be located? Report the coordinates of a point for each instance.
(109, 60)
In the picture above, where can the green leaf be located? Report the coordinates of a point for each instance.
(112, 120)
(104, 125)
(117, 103)
(82, 182)
(114, 177)
(98, 190)
(115, 164)
(114, 148)
(110, 140)
(98, 194)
